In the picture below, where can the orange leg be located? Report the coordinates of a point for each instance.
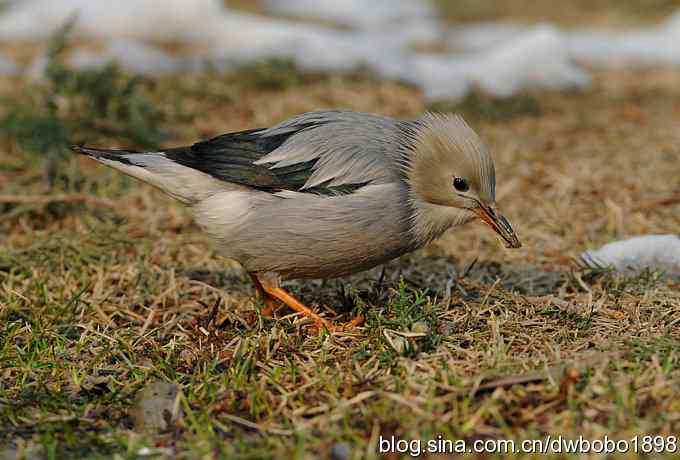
(293, 303)
(271, 304)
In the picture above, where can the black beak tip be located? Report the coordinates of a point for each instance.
(508, 234)
(514, 244)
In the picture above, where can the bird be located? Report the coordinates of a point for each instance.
(325, 194)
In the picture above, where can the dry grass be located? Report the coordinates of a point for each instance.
(575, 13)
(100, 298)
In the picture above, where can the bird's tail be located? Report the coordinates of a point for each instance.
(180, 182)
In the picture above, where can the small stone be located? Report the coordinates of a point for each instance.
(446, 328)
(421, 327)
(156, 407)
(341, 451)
(400, 344)
(187, 356)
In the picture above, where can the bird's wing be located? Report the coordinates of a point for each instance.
(318, 152)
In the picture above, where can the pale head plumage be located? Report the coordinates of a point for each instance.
(440, 148)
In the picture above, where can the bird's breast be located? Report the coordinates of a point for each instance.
(310, 236)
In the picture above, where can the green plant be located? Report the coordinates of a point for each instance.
(71, 106)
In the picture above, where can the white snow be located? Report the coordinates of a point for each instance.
(134, 55)
(482, 36)
(654, 45)
(386, 35)
(357, 13)
(657, 252)
(181, 20)
(246, 38)
(535, 58)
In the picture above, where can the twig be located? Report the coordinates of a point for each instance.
(529, 377)
(544, 301)
(255, 426)
(664, 201)
(469, 268)
(570, 373)
(57, 198)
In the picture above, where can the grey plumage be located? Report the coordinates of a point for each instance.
(345, 148)
(326, 194)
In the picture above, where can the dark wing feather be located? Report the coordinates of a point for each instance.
(230, 157)
(326, 152)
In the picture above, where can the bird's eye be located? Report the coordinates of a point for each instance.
(460, 184)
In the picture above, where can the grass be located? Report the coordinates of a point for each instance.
(575, 13)
(608, 13)
(109, 287)
(73, 106)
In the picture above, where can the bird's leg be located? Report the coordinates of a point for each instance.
(298, 306)
(271, 304)
(277, 292)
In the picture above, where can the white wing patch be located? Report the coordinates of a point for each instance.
(184, 184)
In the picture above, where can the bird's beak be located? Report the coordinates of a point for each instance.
(500, 224)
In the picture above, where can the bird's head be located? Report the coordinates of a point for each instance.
(451, 178)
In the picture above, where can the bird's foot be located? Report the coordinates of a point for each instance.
(319, 321)
(273, 296)
(271, 306)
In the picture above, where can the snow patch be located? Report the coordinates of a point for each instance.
(655, 45)
(388, 36)
(150, 19)
(131, 54)
(631, 256)
(360, 14)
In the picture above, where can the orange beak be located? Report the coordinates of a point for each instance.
(500, 224)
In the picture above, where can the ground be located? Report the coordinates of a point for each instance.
(109, 293)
